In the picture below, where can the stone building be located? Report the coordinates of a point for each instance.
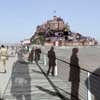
(55, 24)
(57, 32)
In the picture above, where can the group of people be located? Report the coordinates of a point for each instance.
(3, 58)
(74, 74)
(34, 54)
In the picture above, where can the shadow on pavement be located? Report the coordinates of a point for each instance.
(36, 71)
(20, 79)
(57, 92)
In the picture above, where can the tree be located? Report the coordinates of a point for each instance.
(67, 27)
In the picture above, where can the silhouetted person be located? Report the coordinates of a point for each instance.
(37, 54)
(74, 77)
(27, 48)
(31, 55)
(16, 50)
(21, 81)
(3, 58)
(52, 61)
(94, 85)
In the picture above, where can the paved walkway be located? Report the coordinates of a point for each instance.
(29, 82)
(25, 81)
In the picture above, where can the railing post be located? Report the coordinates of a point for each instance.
(56, 69)
(89, 88)
(45, 63)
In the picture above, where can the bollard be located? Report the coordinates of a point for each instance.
(45, 63)
(89, 93)
(56, 71)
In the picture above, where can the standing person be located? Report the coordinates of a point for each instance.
(74, 77)
(52, 61)
(16, 50)
(28, 48)
(37, 54)
(3, 56)
(31, 55)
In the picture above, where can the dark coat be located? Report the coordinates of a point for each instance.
(37, 54)
(52, 58)
(30, 58)
(74, 75)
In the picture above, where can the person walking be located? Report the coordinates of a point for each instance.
(74, 75)
(3, 57)
(37, 54)
(31, 55)
(52, 61)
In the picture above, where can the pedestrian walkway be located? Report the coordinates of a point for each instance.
(29, 82)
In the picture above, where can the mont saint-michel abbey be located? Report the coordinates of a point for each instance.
(57, 32)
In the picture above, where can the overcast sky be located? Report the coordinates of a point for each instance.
(19, 18)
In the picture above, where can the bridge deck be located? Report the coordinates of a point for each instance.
(29, 80)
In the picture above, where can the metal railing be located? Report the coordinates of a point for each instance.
(89, 81)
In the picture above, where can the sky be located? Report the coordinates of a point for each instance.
(19, 18)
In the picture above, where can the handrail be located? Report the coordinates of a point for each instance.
(75, 66)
